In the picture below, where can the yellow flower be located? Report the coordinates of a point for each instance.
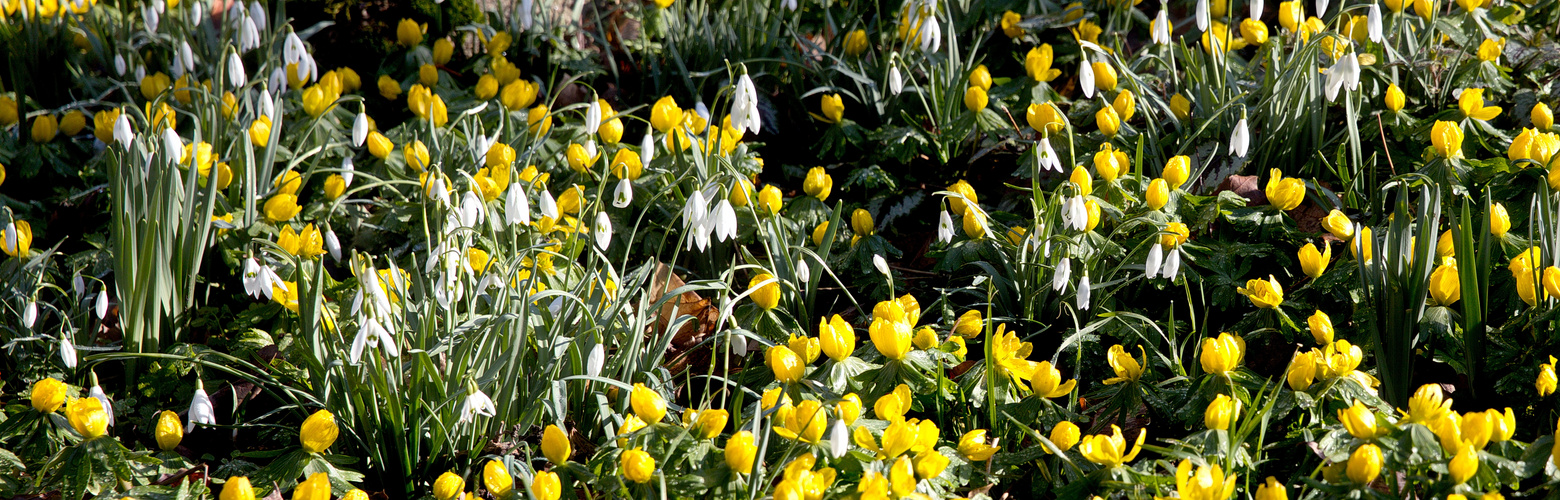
(154, 84)
(282, 207)
(1397, 6)
(1470, 5)
(555, 445)
(1221, 412)
(24, 239)
(1321, 327)
(1064, 435)
(958, 205)
(973, 447)
(1500, 222)
(497, 479)
(849, 408)
(769, 199)
(1037, 63)
(1048, 383)
(1302, 370)
(73, 122)
(538, 120)
(648, 405)
(1284, 193)
(1547, 381)
(578, 158)
(1471, 102)
(1491, 48)
(1314, 263)
(892, 406)
(1272, 490)
(665, 114)
(44, 128)
(891, 338)
(518, 95)
(818, 183)
(1360, 421)
(1108, 121)
(980, 77)
(1127, 369)
(1464, 464)
(1205, 483)
(1178, 169)
(169, 431)
(87, 417)
(1543, 118)
(1395, 98)
(1445, 285)
(8, 111)
(975, 99)
(1364, 240)
(806, 422)
(969, 324)
(740, 452)
(861, 222)
(974, 222)
(389, 88)
(1181, 106)
(706, 424)
(1365, 464)
(306, 244)
(408, 33)
(238, 488)
(1087, 31)
(1253, 32)
(1505, 424)
(1158, 194)
(1009, 24)
(856, 43)
(318, 432)
(379, 145)
(547, 486)
(1111, 450)
(1125, 105)
(486, 88)
(1427, 406)
(766, 296)
(833, 108)
(1104, 76)
(317, 487)
(1339, 225)
(1266, 294)
(1045, 117)
(836, 338)
(1223, 353)
(786, 365)
(1010, 357)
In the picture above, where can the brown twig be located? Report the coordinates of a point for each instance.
(1384, 147)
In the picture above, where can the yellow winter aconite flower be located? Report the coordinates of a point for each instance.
(282, 207)
(1314, 263)
(1365, 464)
(785, 364)
(547, 486)
(1491, 48)
(980, 77)
(1180, 106)
(1394, 99)
(648, 405)
(1547, 381)
(973, 447)
(1111, 450)
(1271, 490)
(169, 431)
(1045, 117)
(497, 479)
(1266, 294)
(1253, 31)
(1220, 412)
(1104, 76)
(555, 445)
(538, 120)
(1302, 370)
(1047, 381)
(1010, 357)
(818, 183)
(856, 43)
(1445, 285)
(408, 33)
(1471, 102)
(1360, 421)
(318, 432)
(1339, 225)
(306, 244)
(237, 488)
(1158, 194)
(1223, 353)
(317, 487)
(832, 107)
(861, 222)
(1178, 169)
(44, 128)
(769, 199)
(1500, 222)
(1125, 105)
(975, 99)
(836, 338)
(87, 417)
(1205, 483)
(1080, 178)
(1321, 327)
(1427, 405)
(447, 487)
(805, 422)
(1110, 162)
(969, 324)
(766, 296)
(1284, 193)
(1126, 367)
(706, 424)
(1064, 435)
(1009, 24)
(1108, 121)
(1542, 117)
(740, 452)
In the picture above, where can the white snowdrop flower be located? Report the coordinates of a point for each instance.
(1321, 7)
(517, 209)
(1156, 256)
(278, 79)
(944, 227)
(1083, 293)
(838, 442)
(123, 134)
(1373, 23)
(140, 72)
(78, 286)
(1202, 15)
(348, 171)
(440, 193)
(476, 403)
(548, 205)
(1063, 274)
(360, 130)
(197, 13)
(739, 346)
(931, 35)
(201, 409)
(1240, 139)
(248, 35)
(1047, 156)
(255, 283)
(67, 352)
(235, 69)
(471, 210)
(177, 66)
(789, 5)
(744, 107)
(725, 218)
(593, 117)
(1086, 75)
(267, 107)
(694, 210)
(896, 82)
(30, 314)
(702, 110)
(1257, 6)
(1161, 32)
(149, 13)
(257, 11)
(102, 397)
(100, 306)
(647, 148)
(603, 230)
(372, 334)
(10, 237)
(187, 55)
(1343, 74)
(623, 194)
(173, 145)
(333, 245)
(803, 271)
(119, 64)
(1172, 267)
(526, 18)
(293, 49)
(596, 360)
(1078, 210)
(881, 265)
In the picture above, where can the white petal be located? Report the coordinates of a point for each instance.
(1062, 275)
(29, 314)
(549, 206)
(1202, 15)
(348, 171)
(896, 83)
(1240, 139)
(67, 352)
(803, 272)
(595, 360)
(236, 74)
(623, 194)
(360, 130)
(108, 406)
(1083, 293)
(1321, 7)
(119, 64)
(1086, 74)
(592, 117)
(1172, 267)
(1256, 8)
(1373, 23)
(517, 209)
(1156, 256)
(101, 306)
(945, 227)
(333, 245)
(881, 265)
(838, 442)
(647, 148)
(603, 230)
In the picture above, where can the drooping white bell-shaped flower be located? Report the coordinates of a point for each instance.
(1172, 267)
(944, 227)
(596, 360)
(173, 145)
(1321, 7)
(29, 314)
(1086, 74)
(235, 68)
(1047, 156)
(1161, 32)
(744, 107)
(476, 403)
(267, 106)
(1373, 23)
(119, 65)
(108, 406)
(647, 147)
(548, 205)
(725, 219)
(896, 82)
(123, 134)
(881, 265)
(1203, 18)
(931, 35)
(201, 410)
(1343, 74)
(1083, 293)
(525, 17)
(1256, 8)
(1240, 139)
(517, 209)
(603, 230)
(838, 440)
(1063, 274)
(1156, 257)
(359, 130)
(333, 245)
(100, 306)
(623, 194)
(593, 117)
(67, 352)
